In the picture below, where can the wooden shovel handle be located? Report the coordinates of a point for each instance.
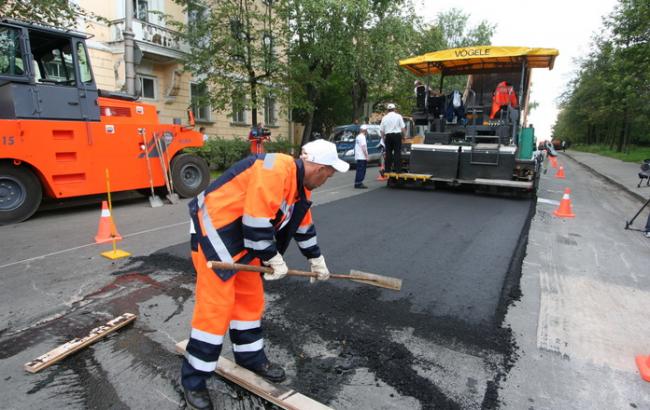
(266, 269)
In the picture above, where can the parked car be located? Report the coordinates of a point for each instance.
(344, 135)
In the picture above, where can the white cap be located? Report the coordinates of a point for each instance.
(324, 153)
(390, 106)
(363, 127)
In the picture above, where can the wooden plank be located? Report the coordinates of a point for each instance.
(74, 345)
(279, 395)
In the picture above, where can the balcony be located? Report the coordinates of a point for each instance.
(157, 43)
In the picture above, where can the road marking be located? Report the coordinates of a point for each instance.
(92, 244)
(135, 234)
(547, 201)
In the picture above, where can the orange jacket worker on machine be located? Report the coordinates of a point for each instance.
(249, 215)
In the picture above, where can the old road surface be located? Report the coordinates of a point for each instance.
(436, 344)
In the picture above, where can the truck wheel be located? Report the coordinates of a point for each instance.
(20, 193)
(190, 175)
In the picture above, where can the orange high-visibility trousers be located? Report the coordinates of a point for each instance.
(235, 305)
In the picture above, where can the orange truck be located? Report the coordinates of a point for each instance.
(59, 132)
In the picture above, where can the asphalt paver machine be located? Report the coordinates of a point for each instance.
(477, 132)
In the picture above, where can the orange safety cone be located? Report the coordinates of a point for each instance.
(106, 231)
(560, 173)
(553, 161)
(564, 210)
(643, 363)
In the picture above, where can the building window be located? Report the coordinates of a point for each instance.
(141, 10)
(148, 87)
(200, 102)
(238, 110)
(269, 111)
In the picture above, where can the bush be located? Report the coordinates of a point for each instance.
(282, 145)
(222, 153)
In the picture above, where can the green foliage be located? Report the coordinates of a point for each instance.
(222, 153)
(58, 13)
(633, 153)
(237, 50)
(607, 102)
(345, 53)
(331, 57)
(281, 145)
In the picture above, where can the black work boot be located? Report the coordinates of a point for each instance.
(271, 372)
(198, 399)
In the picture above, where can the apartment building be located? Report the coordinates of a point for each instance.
(159, 68)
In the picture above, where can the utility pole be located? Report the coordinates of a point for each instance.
(128, 35)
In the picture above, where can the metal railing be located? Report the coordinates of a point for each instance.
(149, 33)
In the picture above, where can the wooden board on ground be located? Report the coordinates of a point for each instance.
(74, 345)
(279, 395)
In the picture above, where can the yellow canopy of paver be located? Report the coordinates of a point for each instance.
(468, 60)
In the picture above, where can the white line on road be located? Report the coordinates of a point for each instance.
(92, 244)
(135, 234)
(547, 201)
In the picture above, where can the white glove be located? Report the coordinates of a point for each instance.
(280, 268)
(318, 266)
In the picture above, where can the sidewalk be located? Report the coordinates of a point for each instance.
(585, 288)
(623, 174)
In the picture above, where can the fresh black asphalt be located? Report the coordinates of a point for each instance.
(455, 251)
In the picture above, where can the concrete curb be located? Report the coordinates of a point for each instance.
(608, 179)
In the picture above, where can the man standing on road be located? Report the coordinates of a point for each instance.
(393, 130)
(249, 215)
(361, 156)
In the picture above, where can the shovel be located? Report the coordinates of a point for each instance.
(355, 276)
(171, 196)
(154, 200)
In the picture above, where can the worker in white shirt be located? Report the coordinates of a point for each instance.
(361, 156)
(393, 130)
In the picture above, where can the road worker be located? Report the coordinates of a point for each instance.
(249, 215)
(393, 130)
(257, 136)
(504, 96)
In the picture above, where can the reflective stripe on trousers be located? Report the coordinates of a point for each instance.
(235, 305)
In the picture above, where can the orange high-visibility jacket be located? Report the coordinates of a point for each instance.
(253, 210)
(504, 95)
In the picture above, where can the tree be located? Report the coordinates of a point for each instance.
(450, 29)
(58, 13)
(236, 52)
(316, 29)
(606, 101)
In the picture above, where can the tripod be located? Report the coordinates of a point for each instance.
(628, 223)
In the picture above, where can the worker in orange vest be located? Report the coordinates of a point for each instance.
(504, 96)
(249, 215)
(257, 136)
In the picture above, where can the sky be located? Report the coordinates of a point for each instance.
(566, 25)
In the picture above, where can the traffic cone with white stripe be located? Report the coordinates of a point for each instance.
(553, 161)
(106, 231)
(560, 173)
(564, 210)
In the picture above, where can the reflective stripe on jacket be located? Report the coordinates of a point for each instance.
(253, 210)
